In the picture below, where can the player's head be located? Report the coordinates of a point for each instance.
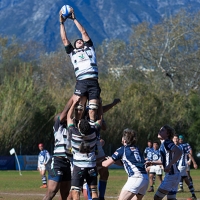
(41, 146)
(129, 136)
(84, 127)
(149, 143)
(181, 138)
(78, 44)
(156, 145)
(166, 132)
(176, 139)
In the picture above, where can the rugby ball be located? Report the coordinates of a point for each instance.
(66, 11)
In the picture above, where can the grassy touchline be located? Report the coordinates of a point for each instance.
(26, 187)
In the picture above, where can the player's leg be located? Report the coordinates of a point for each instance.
(134, 188)
(91, 179)
(77, 182)
(189, 175)
(168, 187)
(103, 171)
(151, 176)
(86, 192)
(126, 195)
(53, 187)
(93, 107)
(65, 190)
(137, 197)
(43, 176)
(93, 98)
(159, 172)
(190, 186)
(103, 178)
(65, 184)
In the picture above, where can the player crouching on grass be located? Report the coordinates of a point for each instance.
(133, 162)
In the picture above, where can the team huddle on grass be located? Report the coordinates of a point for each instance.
(78, 156)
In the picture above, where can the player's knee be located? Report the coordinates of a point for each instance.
(159, 195)
(94, 189)
(93, 106)
(79, 107)
(75, 189)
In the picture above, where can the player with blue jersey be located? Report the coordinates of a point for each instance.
(155, 169)
(182, 164)
(133, 162)
(148, 150)
(186, 145)
(170, 154)
(43, 159)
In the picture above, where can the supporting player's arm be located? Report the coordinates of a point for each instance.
(70, 112)
(63, 114)
(109, 106)
(100, 114)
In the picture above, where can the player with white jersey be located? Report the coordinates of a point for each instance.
(59, 177)
(100, 154)
(155, 169)
(182, 164)
(43, 159)
(133, 162)
(83, 58)
(84, 138)
(170, 154)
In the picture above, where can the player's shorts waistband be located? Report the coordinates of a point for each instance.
(62, 157)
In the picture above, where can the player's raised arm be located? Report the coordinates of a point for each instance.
(63, 33)
(82, 30)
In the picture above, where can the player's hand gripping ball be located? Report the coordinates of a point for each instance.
(66, 11)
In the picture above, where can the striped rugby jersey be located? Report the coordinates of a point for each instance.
(83, 60)
(155, 155)
(148, 152)
(185, 148)
(43, 157)
(84, 160)
(132, 160)
(167, 155)
(62, 140)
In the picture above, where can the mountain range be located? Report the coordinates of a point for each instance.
(37, 20)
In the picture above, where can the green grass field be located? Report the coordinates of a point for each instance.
(26, 187)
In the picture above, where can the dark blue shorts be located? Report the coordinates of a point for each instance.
(81, 174)
(59, 170)
(89, 88)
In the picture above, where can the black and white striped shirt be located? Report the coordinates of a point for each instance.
(84, 159)
(62, 145)
(83, 60)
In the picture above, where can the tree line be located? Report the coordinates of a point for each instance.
(156, 75)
